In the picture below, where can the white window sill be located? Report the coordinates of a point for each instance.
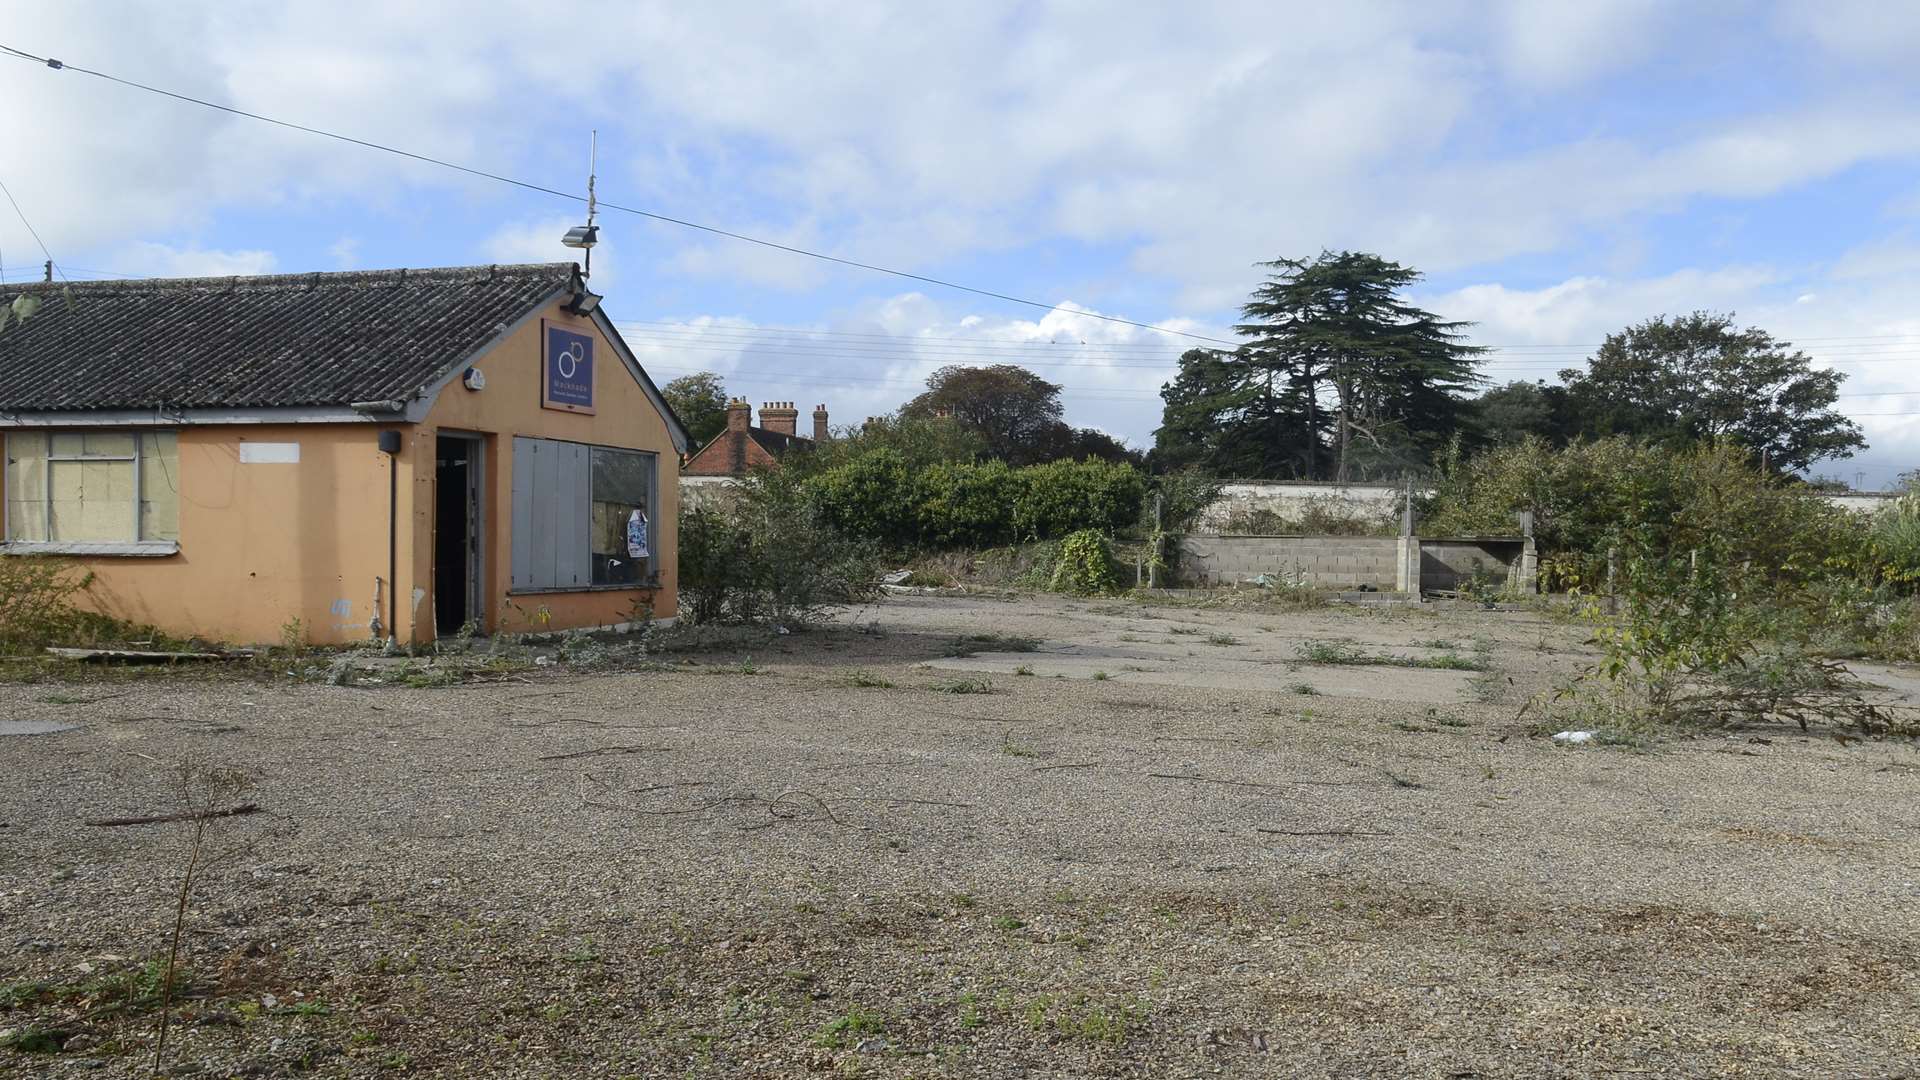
(149, 549)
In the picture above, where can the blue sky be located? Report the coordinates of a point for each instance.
(1558, 171)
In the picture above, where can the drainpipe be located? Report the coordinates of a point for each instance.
(390, 446)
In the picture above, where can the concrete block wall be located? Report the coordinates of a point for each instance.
(1451, 563)
(1320, 562)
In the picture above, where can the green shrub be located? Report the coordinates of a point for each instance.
(1062, 497)
(965, 505)
(37, 603)
(1085, 565)
(770, 555)
(869, 496)
(713, 549)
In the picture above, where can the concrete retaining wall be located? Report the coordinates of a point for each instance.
(1354, 562)
(1293, 502)
(1451, 563)
(1322, 562)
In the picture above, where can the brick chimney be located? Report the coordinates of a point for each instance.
(820, 423)
(739, 415)
(780, 416)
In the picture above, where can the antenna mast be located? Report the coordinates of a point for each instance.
(585, 236)
(593, 161)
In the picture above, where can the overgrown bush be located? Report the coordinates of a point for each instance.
(960, 506)
(1709, 644)
(37, 606)
(1085, 565)
(882, 496)
(1063, 497)
(870, 496)
(770, 555)
(713, 549)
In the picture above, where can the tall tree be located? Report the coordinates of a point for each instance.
(1697, 377)
(1015, 412)
(700, 401)
(1232, 414)
(1387, 376)
(1507, 414)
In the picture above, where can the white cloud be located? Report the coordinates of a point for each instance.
(1553, 46)
(870, 361)
(159, 260)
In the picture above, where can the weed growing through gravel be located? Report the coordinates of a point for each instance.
(962, 686)
(867, 681)
(1222, 639)
(1342, 651)
(1023, 669)
(1183, 630)
(973, 644)
(1074, 1016)
(1101, 676)
(1304, 689)
(1007, 923)
(1014, 749)
(846, 1030)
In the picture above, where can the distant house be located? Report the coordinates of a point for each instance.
(743, 447)
(391, 454)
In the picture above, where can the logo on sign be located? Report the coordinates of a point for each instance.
(569, 371)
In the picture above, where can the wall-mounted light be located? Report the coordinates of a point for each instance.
(583, 303)
(474, 379)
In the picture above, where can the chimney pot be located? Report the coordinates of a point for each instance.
(739, 415)
(780, 416)
(820, 423)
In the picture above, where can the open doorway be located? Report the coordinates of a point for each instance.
(456, 534)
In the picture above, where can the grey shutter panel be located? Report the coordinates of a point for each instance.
(522, 541)
(574, 491)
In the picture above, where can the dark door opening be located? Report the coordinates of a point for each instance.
(456, 524)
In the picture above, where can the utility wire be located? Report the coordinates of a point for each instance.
(1546, 353)
(59, 65)
(30, 229)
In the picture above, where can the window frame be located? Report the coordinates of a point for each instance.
(133, 545)
(651, 460)
(515, 539)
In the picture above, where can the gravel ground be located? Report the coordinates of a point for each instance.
(1172, 850)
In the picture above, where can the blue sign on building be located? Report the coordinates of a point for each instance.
(567, 381)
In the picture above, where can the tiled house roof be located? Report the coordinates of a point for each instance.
(288, 340)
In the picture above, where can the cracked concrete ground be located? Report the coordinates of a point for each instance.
(861, 851)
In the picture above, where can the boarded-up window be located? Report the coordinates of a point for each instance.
(572, 505)
(92, 486)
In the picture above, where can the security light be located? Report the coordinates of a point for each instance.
(583, 303)
(582, 236)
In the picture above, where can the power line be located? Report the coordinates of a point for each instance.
(59, 65)
(30, 229)
(1523, 354)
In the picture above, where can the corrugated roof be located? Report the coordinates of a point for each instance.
(286, 340)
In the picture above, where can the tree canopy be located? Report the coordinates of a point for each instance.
(1015, 413)
(1697, 377)
(700, 400)
(1339, 375)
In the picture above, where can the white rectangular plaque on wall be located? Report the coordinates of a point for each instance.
(269, 453)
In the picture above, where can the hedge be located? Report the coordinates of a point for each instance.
(877, 496)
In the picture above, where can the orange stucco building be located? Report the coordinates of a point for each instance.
(378, 455)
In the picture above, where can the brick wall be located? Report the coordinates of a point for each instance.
(1322, 562)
